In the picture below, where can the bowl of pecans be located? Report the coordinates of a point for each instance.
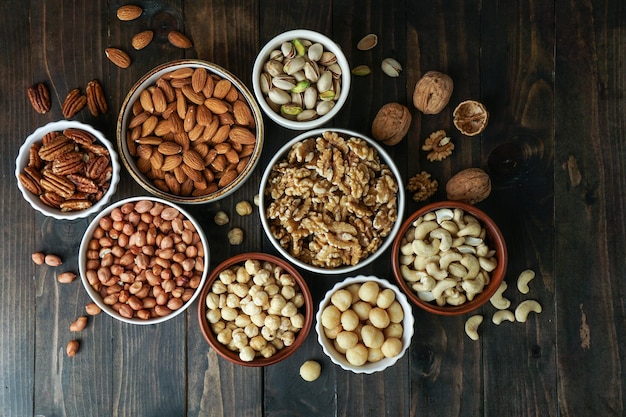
(189, 131)
(331, 201)
(67, 170)
(143, 260)
(255, 309)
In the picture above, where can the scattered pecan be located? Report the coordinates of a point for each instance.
(422, 186)
(73, 103)
(39, 97)
(439, 145)
(96, 100)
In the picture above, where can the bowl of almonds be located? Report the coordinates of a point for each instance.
(190, 132)
(255, 309)
(143, 260)
(67, 170)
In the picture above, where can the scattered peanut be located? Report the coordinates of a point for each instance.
(66, 277)
(79, 324)
(93, 309)
(221, 218)
(52, 260)
(243, 208)
(235, 236)
(38, 258)
(72, 348)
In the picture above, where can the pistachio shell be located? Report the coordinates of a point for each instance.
(368, 42)
(300, 76)
(277, 55)
(391, 67)
(284, 82)
(327, 59)
(288, 50)
(297, 98)
(361, 70)
(335, 69)
(312, 71)
(274, 67)
(265, 81)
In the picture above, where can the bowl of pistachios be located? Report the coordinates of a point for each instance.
(301, 79)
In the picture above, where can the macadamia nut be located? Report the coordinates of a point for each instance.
(310, 370)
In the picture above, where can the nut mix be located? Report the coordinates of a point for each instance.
(191, 133)
(145, 259)
(331, 201)
(255, 309)
(301, 80)
(364, 322)
(68, 170)
(445, 257)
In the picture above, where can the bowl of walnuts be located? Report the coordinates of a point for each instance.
(331, 201)
(255, 309)
(189, 131)
(449, 257)
(143, 260)
(364, 324)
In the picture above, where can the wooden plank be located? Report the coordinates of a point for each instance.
(17, 290)
(589, 194)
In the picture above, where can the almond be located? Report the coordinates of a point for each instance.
(242, 135)
(118, 57)
(142, 39)
(170, 162)
(193, 159)
(203, 115)
(198, 79)
(158, 100)
(222, 87)
(129, 12)
(216, 105)
(179, 40)
(242, 113)
(170, 148)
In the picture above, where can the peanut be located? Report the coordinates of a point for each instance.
(52, 260)
(93, 309)
(66, 277)
(38, 258)
(72, 348)
(79, 324)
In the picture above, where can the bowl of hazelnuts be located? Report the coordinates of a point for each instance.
(364, 324)
(255, 309)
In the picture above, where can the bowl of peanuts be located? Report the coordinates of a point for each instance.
(67, 170)
(449, 258)
(301, 79)
(255, 309)
(364, 324)
(331, 201)
(189, 131)
(143, 260)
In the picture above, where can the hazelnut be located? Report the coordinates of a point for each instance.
(470, 185)
(391, 123)
(432, 92)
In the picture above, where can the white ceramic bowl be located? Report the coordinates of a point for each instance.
(274, 44)
(22, 162)
(97, 297)
(369, 367)
(264, 201)
(150, 79)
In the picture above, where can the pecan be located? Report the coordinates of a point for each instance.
(79, 136)
(75, 204)
(49, 137)
(29, 183)
(73, 103)
(57, 184)
(96, 166)
(51, 199)
(39, 97)
(96, 100)
(55, 148)
(96, 149)
(34, 160)
(83, 184)
(68, 163)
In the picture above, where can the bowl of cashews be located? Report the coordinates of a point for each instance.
(449, 258)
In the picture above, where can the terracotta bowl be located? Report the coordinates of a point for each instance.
(281, 353)
(493, 239)
(213, 187)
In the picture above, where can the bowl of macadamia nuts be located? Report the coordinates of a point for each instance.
(449, 257)
(255, 309)
(301, 79)
(143, 260)
(331, 201)
(189, 131)
(67, 170)
(364, 324)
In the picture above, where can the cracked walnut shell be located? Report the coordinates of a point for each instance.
(391, 123)
(470, 117)
(432, 92)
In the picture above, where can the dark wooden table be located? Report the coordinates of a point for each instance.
(551, 73)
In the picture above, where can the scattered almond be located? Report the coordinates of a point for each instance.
(129, 12)
(118, 57)
(179, 40)
(142, 39)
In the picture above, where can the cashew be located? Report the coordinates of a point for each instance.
(443, 285)
(444, 237)
(472, 227)
(444, 215)
(426, 283)
(426, 296)
(488, 264)
(407, 249)
(450, 226)
(457, 270)
(411, 275)
(497, 300)
(472, 264)
(456, 300)
(524, 308)
(421, 261)
(501, 315)
(457, 215)
(466, 249)
(407, 259)
(471, 326)
(472, 287)
(422, 248)
(524, 278)
(473, 241)
(448, 258)
(423, 229)
(432, 268)
(482, 250)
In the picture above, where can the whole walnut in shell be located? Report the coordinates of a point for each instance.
(432, 92)
(391, 123)
(470, 185)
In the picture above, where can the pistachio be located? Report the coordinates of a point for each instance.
(391, 67)
(294, 65)
(327, 95)
(301, 86)
(325, 81)
(315, 51)
(300, 48)
(368, 42)
(361, 71)
(287, 49)
(308, 114)
(279, 96)
(324, 107)
(284, 82)
(290, 109)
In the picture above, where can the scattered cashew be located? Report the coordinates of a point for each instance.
(471, 326)
(501, 315)
(524, 308)
(497, 300)
(524, 278)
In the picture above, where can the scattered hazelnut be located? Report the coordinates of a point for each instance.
(221, 218)
(310, 370)
(235, 236)
(243, 208)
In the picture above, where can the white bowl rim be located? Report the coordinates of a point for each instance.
(407, 326)
(150, 77)
(400, 197)
(314, 36)
(22, 161)
(95, 296)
